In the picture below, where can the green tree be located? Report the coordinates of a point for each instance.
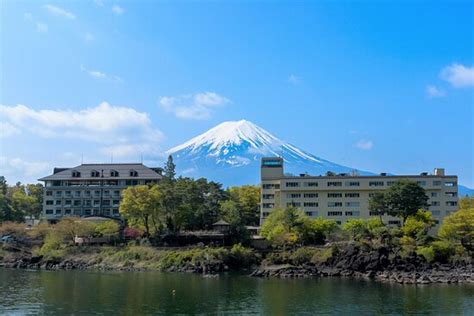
(459, 228)
(247, 198)
(417, 226)
(142, 204)
(169, 171)
(378, 204)
(405, 198)
(357, 228)
(108, 229)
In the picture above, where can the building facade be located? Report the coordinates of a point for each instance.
(92, 189)
(344, 196)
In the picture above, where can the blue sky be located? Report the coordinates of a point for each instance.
(380, 86)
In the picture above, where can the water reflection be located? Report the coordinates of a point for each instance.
(78, 292)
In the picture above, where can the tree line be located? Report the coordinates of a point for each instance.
(20, 200)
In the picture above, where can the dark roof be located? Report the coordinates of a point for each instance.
(123, 169)
(221, 223)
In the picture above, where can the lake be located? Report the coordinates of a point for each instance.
(138, 293)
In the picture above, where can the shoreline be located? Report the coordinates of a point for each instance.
(359, 266)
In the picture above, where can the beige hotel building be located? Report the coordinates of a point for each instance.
(345, 196)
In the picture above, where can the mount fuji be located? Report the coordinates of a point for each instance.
(230, 153)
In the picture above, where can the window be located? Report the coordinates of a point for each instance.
(352, 195)
(394, 223)
(352, 183)
(293, 204)
(87, 193)
(449, 213)
(49, 202)
(310, 213)
(87, 212)
(451, 194)
(133, 173)
(373, 213)
(67, 211)
(115, 211)
(293, 195)
(292, 184)
(49, 211)
(96, 193)
(57, 211)
(450, 184)
(76, 174)
(117, 193)
(334, 184)
(106, 193)
(435, 203)
(434, 194)
(390, 183)
(371, 195)
(352, 204)
(77, 193)
(436, 213)
(114, 173)
(310, 195)
(67, 202)
(352, 213)
(335, 213)
(422, 183)
(310, 204)
(375, 183)
(96, 202)
(95, 174)
(268, 196)
(59, 193)
(268, 186)
(338, 222)
(334, 195)
(310, 184)
(106, 202)
(87, 202)
(116, 202)
(268, 205)
(57, 202)
(49, 193)
(334, 204)
(77, 202)
(451, 203)
(131, 182)
(265, 214)
(436, 183)
(68, 193)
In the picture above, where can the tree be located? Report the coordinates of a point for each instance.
(405, 198)
(70, 227)
(142, 203)
(417, 226)
(169, 171)
(378, 204)
(459, 228)
(108, 228)
(247, 198)
(357, 228)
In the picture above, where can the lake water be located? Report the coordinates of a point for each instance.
(138, 293)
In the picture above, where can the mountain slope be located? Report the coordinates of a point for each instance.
(231, 151)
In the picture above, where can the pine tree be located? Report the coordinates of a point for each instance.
(169, 170)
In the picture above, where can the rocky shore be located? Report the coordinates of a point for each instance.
(375, 265)
(353, 262)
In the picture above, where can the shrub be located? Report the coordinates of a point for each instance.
(302, 255)
(108, 228)
(427, 252)
(323, 255)
(443, 250)
(40, 231)
(132, 233)
(16, 230)
(242, 257)
(357, 228)
(459, 228)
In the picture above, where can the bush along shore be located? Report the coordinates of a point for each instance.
(339, 260)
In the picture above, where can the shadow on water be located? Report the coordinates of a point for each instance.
(132, 293)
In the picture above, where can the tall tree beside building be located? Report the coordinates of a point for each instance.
(404, 198)
(169, 171)
(141, 204)
(378, 204)
(247, 198)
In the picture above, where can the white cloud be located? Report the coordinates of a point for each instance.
(434, 92)
(7, 130)
(295, 80)
(59, 11)
(101, 75)
(88, 37)
(364, 144)
(121, 131)
(118, 10)
(458, 75)
(41, 27)
(28, 16)
(193, 106)
(15, 166)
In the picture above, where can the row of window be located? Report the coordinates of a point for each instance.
(86, 193)
(91, 183)
(97, 174)
(83, 202)
(295, 184)
(83, 212)
(356, 214)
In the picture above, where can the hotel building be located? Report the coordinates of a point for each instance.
(92, 189)
(345, 196)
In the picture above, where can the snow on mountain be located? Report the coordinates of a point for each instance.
(231, 151)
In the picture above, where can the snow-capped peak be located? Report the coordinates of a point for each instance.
(231, 133)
